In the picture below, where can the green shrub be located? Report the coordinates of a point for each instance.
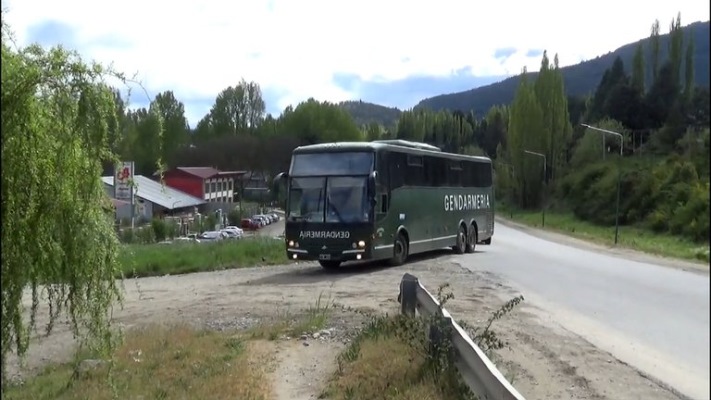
(235, 217)
(145, 235)
(666, 196)
(159, 229)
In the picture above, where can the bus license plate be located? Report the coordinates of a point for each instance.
(324, 256)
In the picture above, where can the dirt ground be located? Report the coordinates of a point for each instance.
(544, 361)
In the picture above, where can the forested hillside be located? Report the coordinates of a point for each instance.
(580, 79)
(364, 113)
(665, 147)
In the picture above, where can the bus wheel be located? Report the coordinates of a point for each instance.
(399, 251)
(460, 247)
(471, 240)
(487, 241)
(330, 264)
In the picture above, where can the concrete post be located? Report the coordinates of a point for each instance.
(408, 294)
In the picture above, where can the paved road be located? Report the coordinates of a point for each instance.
(653, 317)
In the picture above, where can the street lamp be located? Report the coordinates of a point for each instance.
(619, 175)
(543, 201)
(172, 210)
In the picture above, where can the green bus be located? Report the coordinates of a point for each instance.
(384, 200)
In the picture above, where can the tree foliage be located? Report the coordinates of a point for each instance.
(59, 123)
(668, 121)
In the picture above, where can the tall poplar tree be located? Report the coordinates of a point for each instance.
(526, 132)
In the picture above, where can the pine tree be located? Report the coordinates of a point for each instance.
(638, 69)
(655, 49)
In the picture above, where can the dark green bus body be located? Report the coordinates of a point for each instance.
(391, 188)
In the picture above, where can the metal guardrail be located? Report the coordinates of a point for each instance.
(476, 369)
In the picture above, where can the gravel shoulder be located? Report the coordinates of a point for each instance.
(543, 360)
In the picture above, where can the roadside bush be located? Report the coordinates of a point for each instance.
(126, 235)
(137, 235)
(667, 196)
(144, 235)
(160, 229)
(692, 218)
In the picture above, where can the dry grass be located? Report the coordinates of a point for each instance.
(389, 359)
(164, 362)
(386, 368)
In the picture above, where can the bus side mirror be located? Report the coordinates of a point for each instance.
(280, 176)
(372, 181)
(278, 180)
(276, 183)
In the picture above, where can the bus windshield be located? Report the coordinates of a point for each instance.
(332, 163)
(306, 199)
(344, 200)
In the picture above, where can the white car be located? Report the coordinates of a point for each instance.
(230, 234)
(212, 236)
(236, 230)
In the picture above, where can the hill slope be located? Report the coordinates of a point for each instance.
(364, 113)
(580, 79)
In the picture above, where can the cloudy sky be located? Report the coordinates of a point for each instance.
(392, 52)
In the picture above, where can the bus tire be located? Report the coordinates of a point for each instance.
(487, 241)
(329, 264)
(471, 240)
(460, 246)
(399, 250)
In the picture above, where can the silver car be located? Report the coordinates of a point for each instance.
(212, 236)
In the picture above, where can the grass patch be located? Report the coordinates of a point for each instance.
(382, 367)
(629, 236)
(392, 358)
(183, 258)
(161, 362)
(312, 320)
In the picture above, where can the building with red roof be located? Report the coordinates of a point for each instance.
(207, 183)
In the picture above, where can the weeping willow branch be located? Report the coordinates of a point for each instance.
(59, 246)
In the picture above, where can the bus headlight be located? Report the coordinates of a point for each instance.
(291, 243)
(361, 243)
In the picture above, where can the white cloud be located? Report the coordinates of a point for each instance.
(295, 47)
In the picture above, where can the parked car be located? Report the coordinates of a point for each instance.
(263, 218)
(249, 223)
(212, 236)
(231, 234)
(237, 229)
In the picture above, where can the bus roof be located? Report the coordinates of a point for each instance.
(399, 146)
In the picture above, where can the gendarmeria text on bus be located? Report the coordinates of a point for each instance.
(324, 234)
(453, 202)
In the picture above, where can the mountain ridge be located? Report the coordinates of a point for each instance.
(579, 79)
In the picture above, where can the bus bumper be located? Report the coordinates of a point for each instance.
(315, 255)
